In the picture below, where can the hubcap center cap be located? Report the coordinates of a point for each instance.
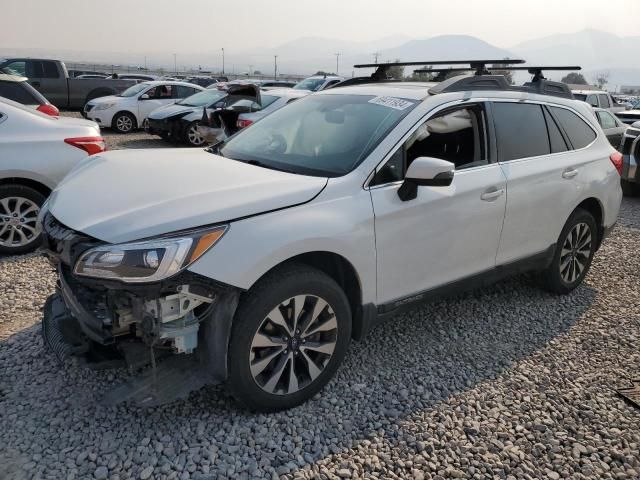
(294, 343)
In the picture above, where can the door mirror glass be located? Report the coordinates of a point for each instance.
(427, 172)
(144, 96)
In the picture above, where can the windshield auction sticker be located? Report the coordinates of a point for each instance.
(391, 102)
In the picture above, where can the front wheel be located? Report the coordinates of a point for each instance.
(574, 253)
(289, 336)
(19, 208)
(123, 122)
(192, 136)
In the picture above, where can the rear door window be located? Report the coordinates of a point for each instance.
(579, 132)
(521, 130)
(50, 70)
(592, 100)
(606, 120)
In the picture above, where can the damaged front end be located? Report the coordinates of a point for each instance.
(135, 305)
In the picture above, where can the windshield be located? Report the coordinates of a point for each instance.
(312, 84)
(133, 91)
(323, 135)
(203, 99)
(636, 106)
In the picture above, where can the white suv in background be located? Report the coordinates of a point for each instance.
(129, 110)
(258, 260)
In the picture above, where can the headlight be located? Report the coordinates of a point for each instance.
(104, 106)
(147, 261)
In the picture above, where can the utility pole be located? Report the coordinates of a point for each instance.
(275, 67)
(337, 61)
(175, 63)
(376, 55)
(145, 63)
(223, 61)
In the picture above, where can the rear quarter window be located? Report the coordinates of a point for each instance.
(16, 92)
(579, 132)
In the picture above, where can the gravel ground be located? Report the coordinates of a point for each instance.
(507, 383)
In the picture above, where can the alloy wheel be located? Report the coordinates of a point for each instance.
(576, 250)
(124, 123)
(293, 344)
(194, 136)
(18, 221)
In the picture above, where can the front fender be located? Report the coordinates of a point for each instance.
(254, 245)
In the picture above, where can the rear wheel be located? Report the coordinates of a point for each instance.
(123, 122)
(289, 335)
(192, 136)
(19, 209)
(574, 253)
(630, 189)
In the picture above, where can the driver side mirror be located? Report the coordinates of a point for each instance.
(425, 172)
(144, 96)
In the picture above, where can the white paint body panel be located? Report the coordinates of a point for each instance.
(32, 144)
(397, 248)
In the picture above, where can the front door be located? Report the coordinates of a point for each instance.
(446, 233)
(159, 96)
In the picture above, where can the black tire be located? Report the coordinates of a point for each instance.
(121, 120)
(630, 189)
(187, 137)
(559, 276)
(263, 298)
(33, 196)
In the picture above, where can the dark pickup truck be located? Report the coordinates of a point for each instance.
(50, 78)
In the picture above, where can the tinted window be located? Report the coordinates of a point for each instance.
(555, 137)
(521, 130)
(266, 100)
(49, 70)
(180, 91)
(606, 120)
(579, 133)
(16, 92)
(16, 68)
(592, 100)
(604, 100)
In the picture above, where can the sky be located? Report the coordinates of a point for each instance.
(151, 26)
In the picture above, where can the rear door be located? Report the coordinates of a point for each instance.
(543, 171)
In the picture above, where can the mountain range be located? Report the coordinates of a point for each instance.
(596, 51)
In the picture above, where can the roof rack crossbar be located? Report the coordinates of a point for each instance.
(478, 65)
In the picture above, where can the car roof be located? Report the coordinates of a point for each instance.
(155, 83)
(411, 90)
(587, 92)
(4, 77)
(284, 92)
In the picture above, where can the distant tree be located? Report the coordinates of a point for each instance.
(257, 72)
(602, 78)
(396, 73)
(495, 70)
(322, 73)
(574, 78)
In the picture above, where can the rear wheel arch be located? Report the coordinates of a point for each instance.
(27, 182)
(594, 207)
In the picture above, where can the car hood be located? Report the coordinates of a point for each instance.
(128, 195)
(171, 110)
(107, 99)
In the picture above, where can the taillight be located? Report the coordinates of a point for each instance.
(242, 123)
(49, 109)
(90, 145)
(616, 159)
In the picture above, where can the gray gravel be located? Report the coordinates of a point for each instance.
(508, 383)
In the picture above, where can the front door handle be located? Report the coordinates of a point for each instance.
(492, 194)
(569, 173)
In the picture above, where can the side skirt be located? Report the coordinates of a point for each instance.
(534, 263)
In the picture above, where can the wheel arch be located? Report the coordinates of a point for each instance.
(345, 275)
(27, 182)
(595, 208)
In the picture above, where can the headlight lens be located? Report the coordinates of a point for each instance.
(147, 261)
(104, 106)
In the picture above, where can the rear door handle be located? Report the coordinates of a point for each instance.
(492, 194)
(569, 173)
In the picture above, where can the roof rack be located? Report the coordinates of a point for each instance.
(441, 72)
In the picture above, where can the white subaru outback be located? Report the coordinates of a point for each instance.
(255, 262)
